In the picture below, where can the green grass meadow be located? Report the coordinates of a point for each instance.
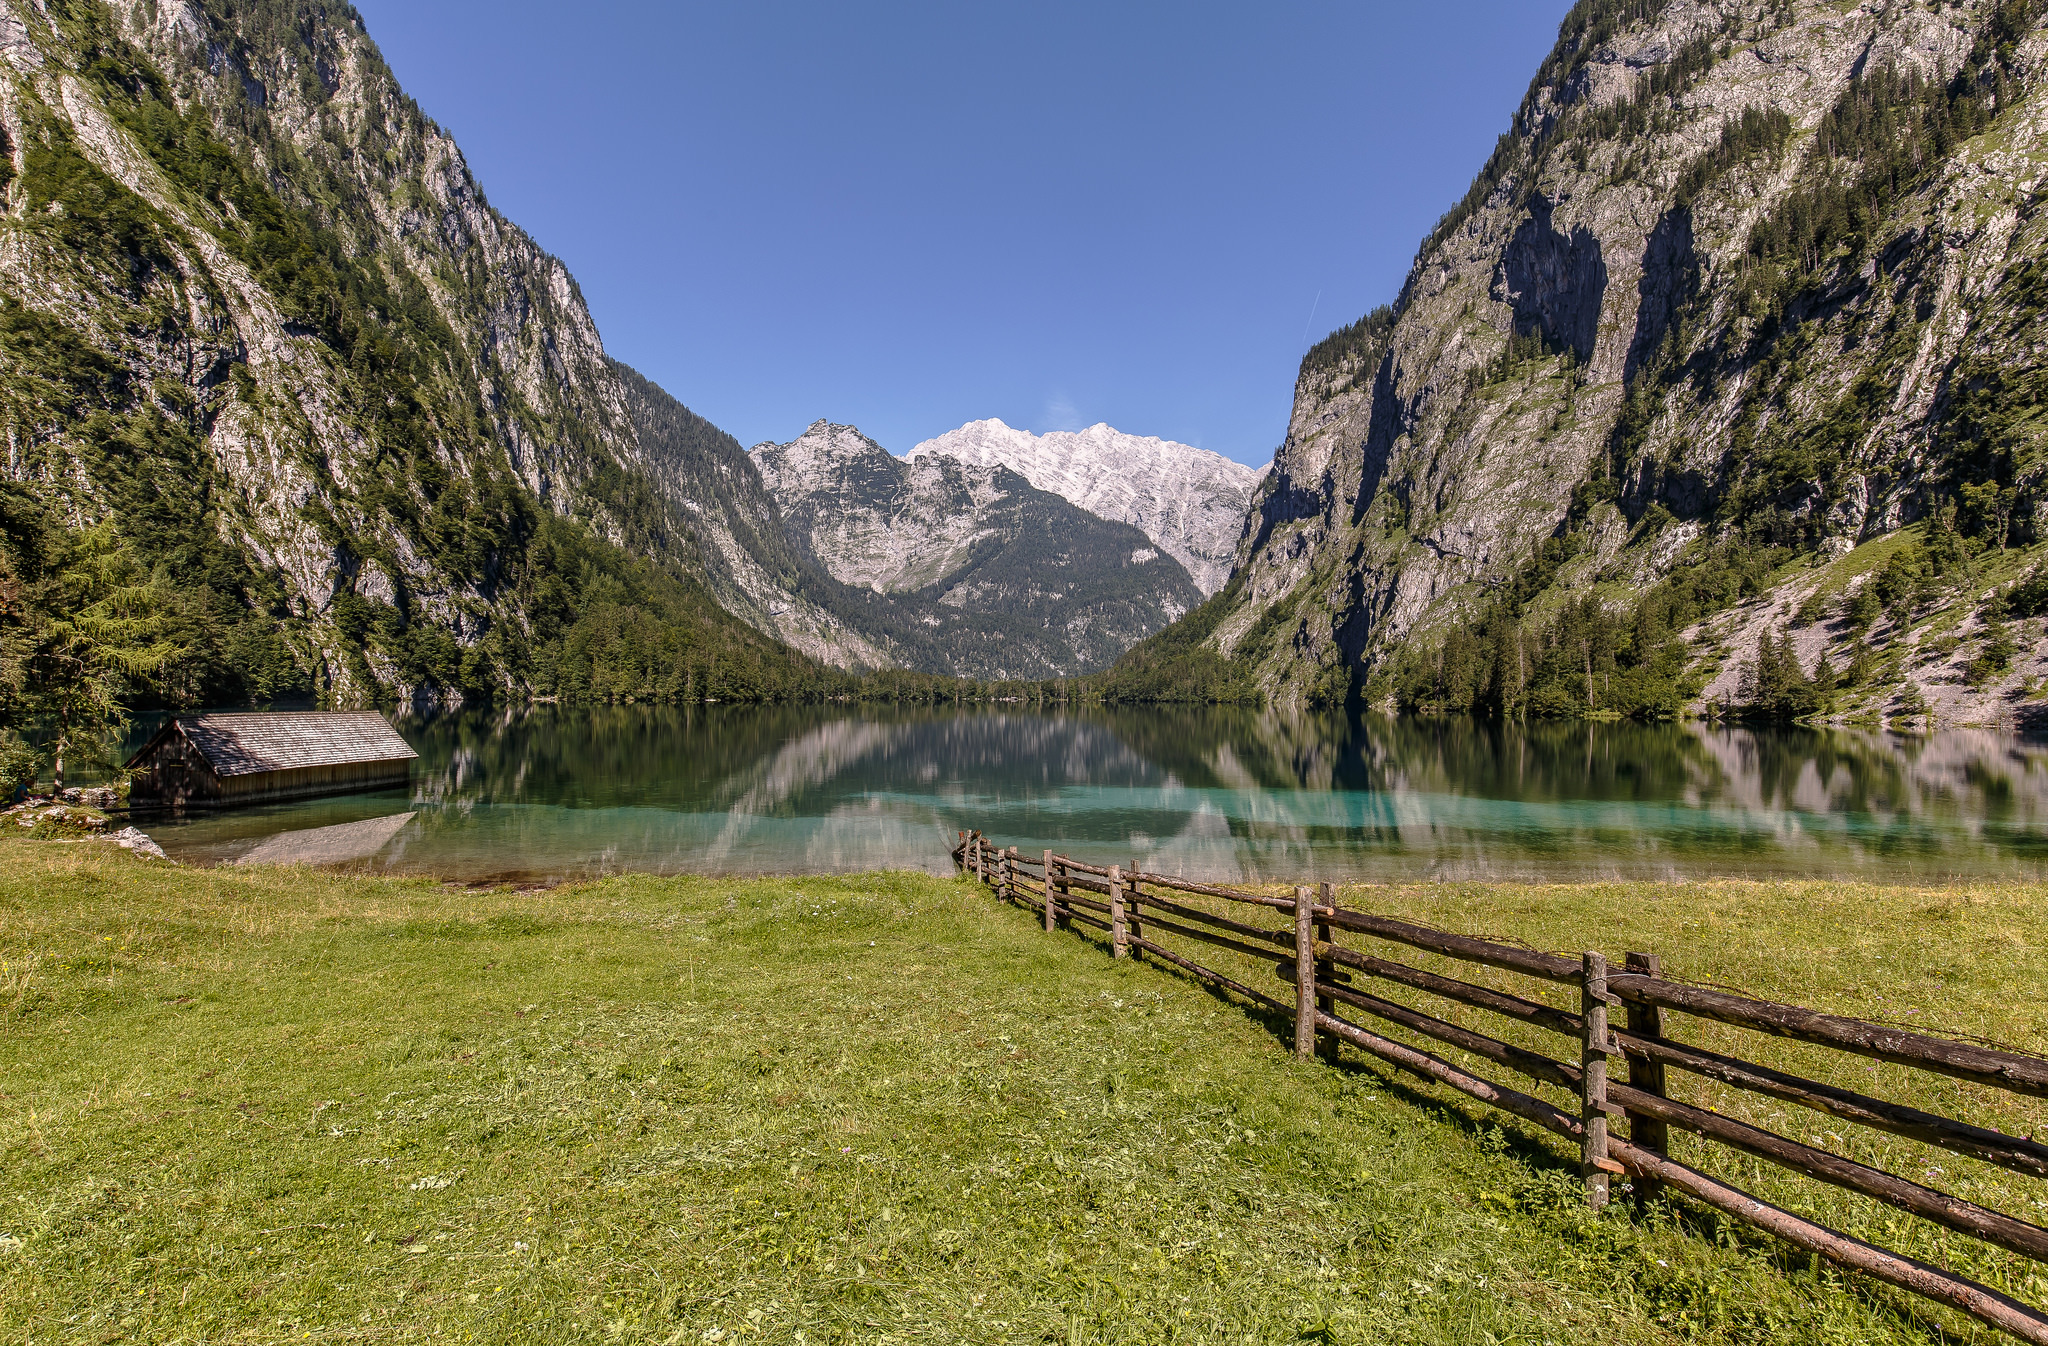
(282, 1105)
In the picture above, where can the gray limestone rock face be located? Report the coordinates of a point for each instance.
(1189, 501)
(299, 464)
(1553, 283)
(741, 540)
(1605, 319)
(377, 427)
(968, 568)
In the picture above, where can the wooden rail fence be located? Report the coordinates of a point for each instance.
(1132, 908)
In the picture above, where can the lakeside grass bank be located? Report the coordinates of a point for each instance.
(264, 1105)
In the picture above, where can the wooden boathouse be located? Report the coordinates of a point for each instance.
(258, 757)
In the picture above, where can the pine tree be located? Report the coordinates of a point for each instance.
(97, 629)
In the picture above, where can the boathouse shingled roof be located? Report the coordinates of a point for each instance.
(249, 743)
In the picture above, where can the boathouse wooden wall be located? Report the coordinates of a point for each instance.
(172, 772)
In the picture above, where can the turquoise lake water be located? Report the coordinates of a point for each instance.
(1225, 795)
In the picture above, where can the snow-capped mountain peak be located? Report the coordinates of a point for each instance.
(970, 568)
(1190, 501)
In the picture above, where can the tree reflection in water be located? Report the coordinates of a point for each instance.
(1223, 794)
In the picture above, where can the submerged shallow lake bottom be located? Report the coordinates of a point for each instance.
(548, 793)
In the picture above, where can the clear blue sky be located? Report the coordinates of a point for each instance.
(911, 215)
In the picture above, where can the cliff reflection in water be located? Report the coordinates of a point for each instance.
(1218, 794)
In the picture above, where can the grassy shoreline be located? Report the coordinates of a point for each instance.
(260, 1105)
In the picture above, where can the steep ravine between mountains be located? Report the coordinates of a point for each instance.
(1750, 297)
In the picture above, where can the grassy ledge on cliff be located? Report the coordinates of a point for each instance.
(252, 1105)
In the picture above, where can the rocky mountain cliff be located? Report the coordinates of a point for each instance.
(742, 544)
(955, 549)
(257, 316)
(1748, 296)
(1190, 501)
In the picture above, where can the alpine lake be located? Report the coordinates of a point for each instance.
(544, 793)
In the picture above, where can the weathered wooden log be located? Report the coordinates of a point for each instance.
(1080, 868)
(1119, 933)
(1134, 926)
(1304, 974)
(1282, 938)
(1649, 1165)
(1227, 894)
(1980, 1302)
(1993, 1147)
(1084, 919)
(1087, 904)
(1548, 966)
(1522, 1105)
(1646, 1024)
(1965, 1217)
(1324, 968)
(1210, 974)
(1051, 886)
(1533, 1064)
(2023, 1155)
(1479, 997)
(1593, 1160)
(1944, 1056)
(1161, 925)
(2013, 1152)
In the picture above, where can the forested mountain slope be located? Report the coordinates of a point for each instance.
(1746, 289)
(281, 387)
(966, 568)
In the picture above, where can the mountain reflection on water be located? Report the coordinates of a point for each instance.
(1223, 795)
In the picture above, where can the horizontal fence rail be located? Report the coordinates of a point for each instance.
(1320, 976)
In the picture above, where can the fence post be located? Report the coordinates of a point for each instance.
(1007, 890)
(1647, 1021)
(980, 872)
(1326, 971)
(1304, 974)
(963, 852)
(1593, 1082)
(1134, 926)
(1048, 893)
(1116, 914)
